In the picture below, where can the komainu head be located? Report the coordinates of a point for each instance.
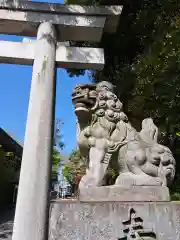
(84, 100)
(98, 100)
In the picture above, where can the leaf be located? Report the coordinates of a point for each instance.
(75, 166)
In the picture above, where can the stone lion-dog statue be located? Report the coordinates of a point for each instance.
(105, 134)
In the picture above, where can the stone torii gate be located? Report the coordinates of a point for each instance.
(50, 23)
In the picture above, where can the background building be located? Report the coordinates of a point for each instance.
(10, 144)
(10, 167)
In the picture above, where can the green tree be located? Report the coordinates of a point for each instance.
(57, 147)
(56, 158)
(76, 166)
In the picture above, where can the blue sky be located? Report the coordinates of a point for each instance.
(15, 84)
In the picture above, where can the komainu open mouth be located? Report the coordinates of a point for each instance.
(84, 99)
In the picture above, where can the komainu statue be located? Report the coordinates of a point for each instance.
(105, 134)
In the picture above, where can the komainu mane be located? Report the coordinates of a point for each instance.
(105, 134)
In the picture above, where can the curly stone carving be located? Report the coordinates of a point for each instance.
(105, 134)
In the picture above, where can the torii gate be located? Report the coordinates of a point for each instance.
(50, 23)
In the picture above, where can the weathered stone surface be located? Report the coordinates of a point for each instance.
(66, 57)
(107, 140)
(112, 13)
(33, 192)
(122, 193)
(72, 220)
(69, 27)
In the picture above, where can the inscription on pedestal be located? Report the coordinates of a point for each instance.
(134, 229)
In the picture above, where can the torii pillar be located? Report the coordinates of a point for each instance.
(50, 22)
(31, 218)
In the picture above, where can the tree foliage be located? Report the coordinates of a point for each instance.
(56, 158)
(143, 61)
(76, 167)
(142, 58)
(57, 147)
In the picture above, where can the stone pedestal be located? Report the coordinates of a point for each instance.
(124, 194)
(74, 220)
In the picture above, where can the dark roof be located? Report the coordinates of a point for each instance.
(9, 144)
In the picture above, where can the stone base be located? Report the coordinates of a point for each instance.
(73, 220)
(124, 194)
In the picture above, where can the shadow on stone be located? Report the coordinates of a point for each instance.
(6, 224)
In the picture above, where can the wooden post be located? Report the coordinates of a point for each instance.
(31, 218)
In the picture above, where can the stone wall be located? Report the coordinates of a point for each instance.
(74, 220)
